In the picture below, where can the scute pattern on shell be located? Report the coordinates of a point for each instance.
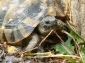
(18, 18)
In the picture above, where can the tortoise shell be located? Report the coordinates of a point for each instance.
(18, 18)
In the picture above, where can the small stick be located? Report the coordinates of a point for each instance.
(2, 53)
(58, 36)
(69, 50)
(39, 44)
(76, 44)
(55, 56)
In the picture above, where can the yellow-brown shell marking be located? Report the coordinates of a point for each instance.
(18, 18)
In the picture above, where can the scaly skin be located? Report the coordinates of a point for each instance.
(46, 25)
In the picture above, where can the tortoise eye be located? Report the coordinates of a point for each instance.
(47, 22)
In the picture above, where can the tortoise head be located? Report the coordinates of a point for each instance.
(47, 24)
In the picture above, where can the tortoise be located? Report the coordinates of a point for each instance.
(19, 20)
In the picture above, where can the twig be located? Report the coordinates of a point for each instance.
(69, 50)
(76, 44)
(39, 44)
(59, 37)
(54, 56)
(2, 53)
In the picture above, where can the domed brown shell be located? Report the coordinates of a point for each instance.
(18, 18)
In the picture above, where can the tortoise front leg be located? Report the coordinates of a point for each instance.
(33, 42)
